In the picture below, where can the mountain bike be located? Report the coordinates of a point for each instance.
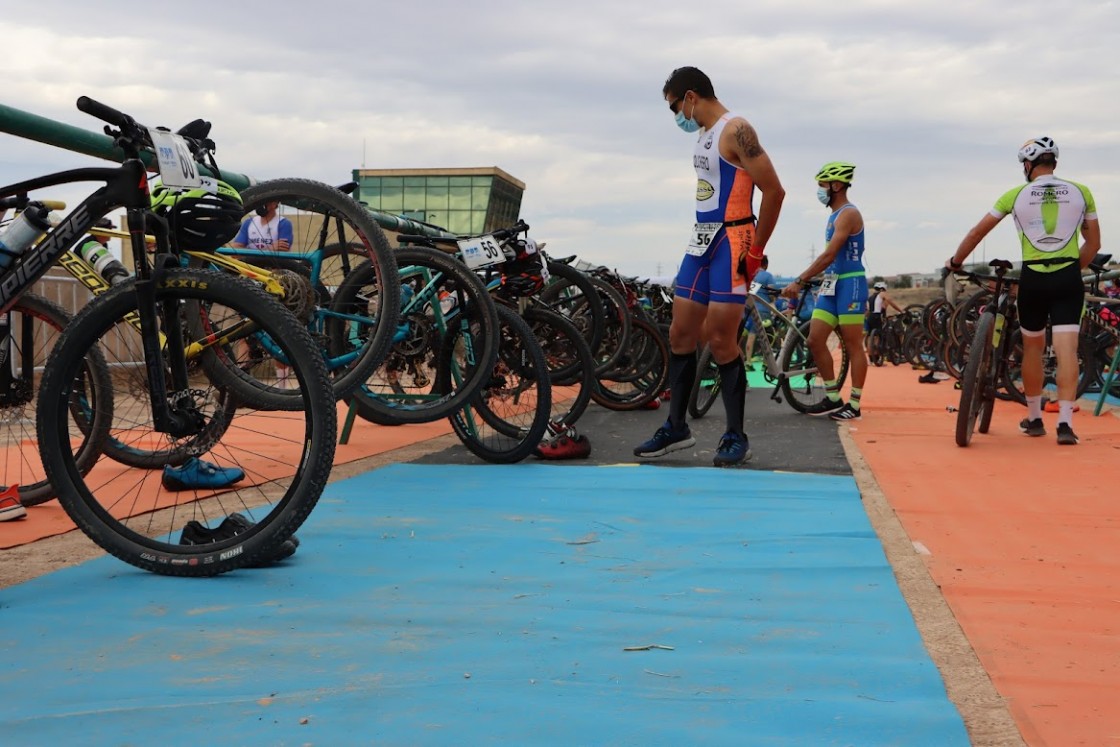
(188, 318)
(987, 358)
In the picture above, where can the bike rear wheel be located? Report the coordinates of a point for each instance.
(283, 458)
(35, 325)
(341, 234)
(507, 419)
(802, 384)
(705, 388)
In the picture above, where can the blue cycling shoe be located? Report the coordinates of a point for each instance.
(734, 449)
(195, 474)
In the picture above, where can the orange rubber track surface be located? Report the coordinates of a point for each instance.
(1023, 538)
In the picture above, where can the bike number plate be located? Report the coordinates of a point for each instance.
(701, 238)
(828, 286)
(481, 251)
(177, 167)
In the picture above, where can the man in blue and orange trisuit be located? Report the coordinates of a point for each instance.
(724, 250)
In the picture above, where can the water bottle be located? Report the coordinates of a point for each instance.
(103, 261)
(22, 232)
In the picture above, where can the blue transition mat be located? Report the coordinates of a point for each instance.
(483, 605)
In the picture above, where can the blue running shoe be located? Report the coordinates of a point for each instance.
(734, 449)
(666, 439)
(196, 474)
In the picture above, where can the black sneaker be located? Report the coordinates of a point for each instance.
(734, 449)
(666, 439)
(929, 378)
(1035, 427)
(825, 407)
(195, 533)
(847, 412)
(1066, 436)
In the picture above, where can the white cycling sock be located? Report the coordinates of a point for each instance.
(1065, 412)
(1034, 407)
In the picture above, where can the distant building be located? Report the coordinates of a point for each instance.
(462, 201)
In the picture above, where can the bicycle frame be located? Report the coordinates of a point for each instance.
(769, 357)
(125, 186)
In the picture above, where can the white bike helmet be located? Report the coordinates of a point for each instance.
(1032, 149)
(880, 286)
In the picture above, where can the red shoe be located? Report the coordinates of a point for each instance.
(665, 395)
(10, 507)
(653, 404)
(564, 447)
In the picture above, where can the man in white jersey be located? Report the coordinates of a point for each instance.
(267, 231)
(1050, 213)
(724, 250)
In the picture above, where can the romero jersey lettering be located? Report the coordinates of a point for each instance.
(1049, 213)
(724, 192)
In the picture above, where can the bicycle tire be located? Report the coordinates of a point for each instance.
(977, 375)
(339, 227)
(572, 293)
(1012, 382)
(802, 387)
(496, 424)
(875, 348)
(642, 373)
(706, 386)
(617, 325)
(444, 357)
(571, 368)
(36, 325)
(285, 457)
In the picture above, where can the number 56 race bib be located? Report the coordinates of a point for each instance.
(701, 238)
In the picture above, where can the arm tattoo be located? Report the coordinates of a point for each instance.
(747, 141)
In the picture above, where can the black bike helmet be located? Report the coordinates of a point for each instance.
(202, 219)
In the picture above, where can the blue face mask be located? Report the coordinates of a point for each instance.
(688, 125)
(824, 194)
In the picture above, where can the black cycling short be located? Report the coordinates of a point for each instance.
(1056, 297)
(874, 322)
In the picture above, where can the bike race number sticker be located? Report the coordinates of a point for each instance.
(481, 251)
(177, 167)
(755, 288)
(701, 239)
(828, 286)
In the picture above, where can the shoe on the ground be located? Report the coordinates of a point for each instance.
(10, 507)
(1053, 406)
(734, 449)
(825, 407)
(847, 412)
(667, 439)
(1066, 436)
(667, 394)
(194, 533)
(929, 378)
(1033, 427)
(564, 446)
(196, 474)
(653, 404)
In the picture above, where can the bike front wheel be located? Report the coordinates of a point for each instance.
(269, 466)
(802, 384)
(976, 383)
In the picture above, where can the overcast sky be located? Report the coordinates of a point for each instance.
(931, 100)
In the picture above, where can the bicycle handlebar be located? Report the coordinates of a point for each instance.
(105, 113)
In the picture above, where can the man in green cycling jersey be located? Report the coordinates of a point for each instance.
(1049, 213)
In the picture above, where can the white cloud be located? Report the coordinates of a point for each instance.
(930, 99)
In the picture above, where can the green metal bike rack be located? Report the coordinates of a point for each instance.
(50, 132)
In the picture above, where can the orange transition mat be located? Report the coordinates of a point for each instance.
(366, 439)
(1022, 536)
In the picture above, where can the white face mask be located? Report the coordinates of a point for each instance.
(824, 194)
